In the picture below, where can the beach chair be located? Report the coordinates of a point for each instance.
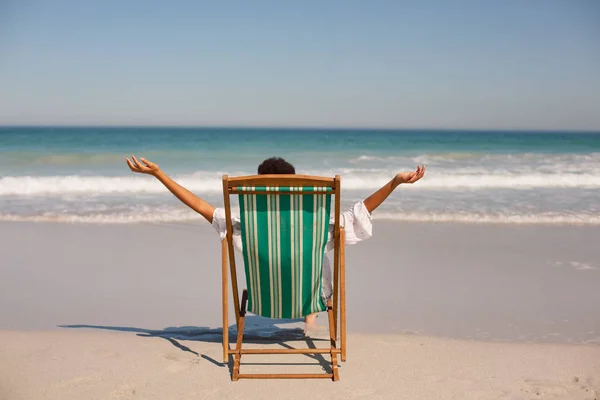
(284, 226)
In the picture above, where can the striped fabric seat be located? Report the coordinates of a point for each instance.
(284, 238)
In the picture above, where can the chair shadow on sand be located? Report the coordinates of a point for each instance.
(258, 330)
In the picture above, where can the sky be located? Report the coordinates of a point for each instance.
(509, 64)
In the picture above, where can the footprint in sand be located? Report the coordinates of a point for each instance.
(176, 366)
(173, 368)
(171, 356)
(124, 393)
(105, 353)
(575, 389)
(84, 380)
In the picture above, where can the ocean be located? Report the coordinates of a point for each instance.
(79, 175)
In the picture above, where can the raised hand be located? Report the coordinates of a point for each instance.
(375, 200)
(410, 177)
(142, 166)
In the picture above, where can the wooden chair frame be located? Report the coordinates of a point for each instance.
(233, 186)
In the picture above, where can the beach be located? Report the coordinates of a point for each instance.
(105, 365)
(480, 281)
(468, 134)
(446, 310)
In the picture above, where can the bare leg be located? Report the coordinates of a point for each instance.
(310, 322)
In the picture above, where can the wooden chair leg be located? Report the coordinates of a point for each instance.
(240, 335)
(332, 340)
(343, 343)
(225, 296)
(333, 351)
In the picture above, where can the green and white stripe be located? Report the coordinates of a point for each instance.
(283, 239)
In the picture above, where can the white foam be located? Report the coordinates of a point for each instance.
(104, 218)
(99, 185)
(476, 218)
(577, 265)
(210, 182)
(513, 181)
(458, 158)
(184, 215)
(583, 266)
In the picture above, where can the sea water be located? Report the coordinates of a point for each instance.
(75, 174)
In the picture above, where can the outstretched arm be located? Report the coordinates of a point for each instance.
(185, 196)
(375, 200)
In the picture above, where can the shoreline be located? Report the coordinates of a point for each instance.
(514, 220)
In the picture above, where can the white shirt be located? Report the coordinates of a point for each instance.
(356, 223)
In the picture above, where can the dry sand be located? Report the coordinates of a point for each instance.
(500, 312)
(104, 365)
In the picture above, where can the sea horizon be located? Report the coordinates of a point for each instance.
(307, 128)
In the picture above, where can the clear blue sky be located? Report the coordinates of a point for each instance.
(439, 64)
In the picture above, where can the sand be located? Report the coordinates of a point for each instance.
(103, 365)
(436, 311)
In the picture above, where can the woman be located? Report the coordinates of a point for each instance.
(356, 221)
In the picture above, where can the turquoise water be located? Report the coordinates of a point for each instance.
(79, 174)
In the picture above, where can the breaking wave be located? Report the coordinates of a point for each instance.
(205, 182)
(188, 216)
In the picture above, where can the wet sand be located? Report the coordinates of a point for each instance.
(489, 282)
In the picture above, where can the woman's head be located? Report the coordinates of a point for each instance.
(275, 165)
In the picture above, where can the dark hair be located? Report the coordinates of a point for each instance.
(275, 165)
